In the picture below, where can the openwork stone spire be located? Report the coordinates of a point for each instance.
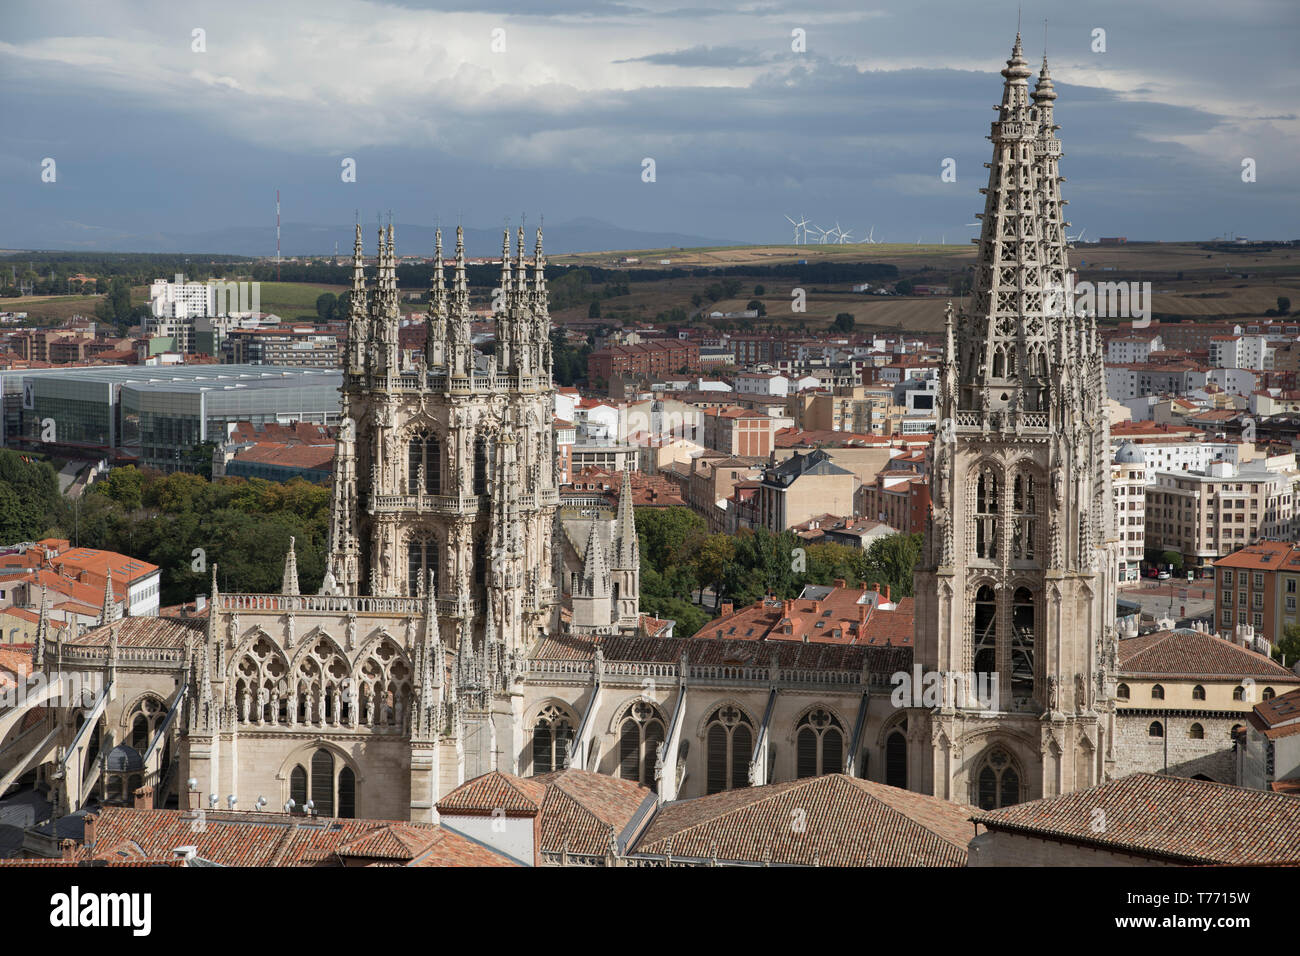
(628, 550)
(1007, 337)
(109, 611)
(289, 585)
(358, 330)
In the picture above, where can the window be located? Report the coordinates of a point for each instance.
(639, 737)
(1121, 692)
(1155, 730)
(1022, 643)
(482, 464)
(330, 784)
(998, 782)
(986, 514)
(819, 745)
(729, 738)
(421, 558)
(1268, 694)
(1239, 693)
(1196, 732)
(1157, 692)
(986, 631)
(424, 465)
(552, 738)
(1024, 519)
(896, 759)
(1227, 578)
(1198, 692)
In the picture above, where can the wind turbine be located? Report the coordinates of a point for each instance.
(846, 236)
(871, 236)
(801, 225)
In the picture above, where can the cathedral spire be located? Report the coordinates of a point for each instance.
(507, 286)
(628, 553)
(357, 311)
(521, 268)
(109, 612)
(289, 584)
(595, 570)
(435, 337)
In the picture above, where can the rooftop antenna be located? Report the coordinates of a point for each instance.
(277, 235)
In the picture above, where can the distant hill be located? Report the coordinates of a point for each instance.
(300, 239)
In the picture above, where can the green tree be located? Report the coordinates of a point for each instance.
(125, 485)
(844, 322)
(716, 553)
(759, 290)
(593, 310)
(755, 306)
(1287, 650)
(1172, 558)
(1283, 305)
(20, 518)
(904, 287)
(326, 303)
(668, 536)
(891, 561)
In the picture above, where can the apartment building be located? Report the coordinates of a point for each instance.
(647, 360)
(1128, 475)
(1259, 586)
(1204, 516)
(304, 347)
(802, 487)
(740, 431)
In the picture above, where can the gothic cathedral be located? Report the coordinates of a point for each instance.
(1016, 592)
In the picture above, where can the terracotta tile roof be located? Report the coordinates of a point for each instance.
(145, 632)
(1262, 556)
(125, 568)
(846, 822)
(517, 796)
(316, 457)
(582, 810)
(242, 838)
(1165, 817)
(1186, 653)
(880, 659)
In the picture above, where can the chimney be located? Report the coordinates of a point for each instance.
(68, 849)
(726, 607)
(841, 583)
(887, 601)
(875, 586)
(192, 798)
(787, 607)
(89, 833)
(143, 798)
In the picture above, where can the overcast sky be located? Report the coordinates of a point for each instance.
(150, 136)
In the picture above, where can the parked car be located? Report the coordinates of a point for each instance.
(1164, 575)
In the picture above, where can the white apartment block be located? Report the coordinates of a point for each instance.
(1129, 480)
(1178, 456)
(1241, 351)
(1132, 348)
(761, 383)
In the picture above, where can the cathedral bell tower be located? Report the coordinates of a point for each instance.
(1015, 599)
(443, 475)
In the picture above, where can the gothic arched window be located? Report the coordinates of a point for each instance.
(1121, 692)
(1024, 505)
(986, 632)
(421, 558)
(896, 760)
(729, 740)
(998, 781)
(331, 785)
(1022, 643)
(424, 461)
(639, 736)
(482, 464)
(819, 744)
(140, 733)
(298, 786)
(322, 782)
(986, 514)
(552, 738)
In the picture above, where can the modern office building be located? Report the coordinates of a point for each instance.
(156, 414)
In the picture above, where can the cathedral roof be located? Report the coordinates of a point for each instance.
(751, 653)
(847, 822)
(241, 838)
(517, 796)
(1167, 817)
(1196, 654)
(144, 632)
(581, 810)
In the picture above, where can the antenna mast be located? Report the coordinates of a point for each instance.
(277, 235)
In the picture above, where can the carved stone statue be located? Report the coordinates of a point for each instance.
(1053, 693)
(289, 638)
(308, 697)
(352, 633)
(338, 706)
(244, 700)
